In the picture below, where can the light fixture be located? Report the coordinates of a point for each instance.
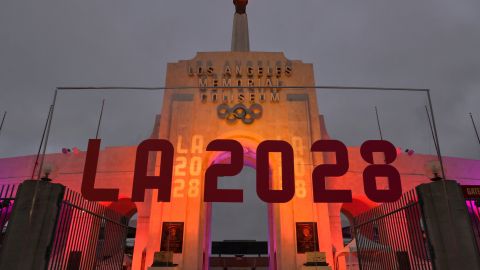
(433, 170)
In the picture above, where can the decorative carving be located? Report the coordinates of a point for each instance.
(240, 112)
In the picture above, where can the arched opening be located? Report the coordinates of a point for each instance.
(348, 212)
(131, 233)
(225, 222)
(234, 236)
(232, 221)
(128, 209)
(347, 227)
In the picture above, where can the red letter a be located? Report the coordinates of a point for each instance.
(141, 181)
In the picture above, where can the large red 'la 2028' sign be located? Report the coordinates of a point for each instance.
(163, 182)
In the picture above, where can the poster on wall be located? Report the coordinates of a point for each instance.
(307, 237)
(172, 237)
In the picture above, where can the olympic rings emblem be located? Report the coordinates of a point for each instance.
(239, 112)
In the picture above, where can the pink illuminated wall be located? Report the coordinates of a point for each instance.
(115, 170)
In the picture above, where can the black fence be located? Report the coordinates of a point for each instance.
(7, 198)
(88, 236)
(392, 236)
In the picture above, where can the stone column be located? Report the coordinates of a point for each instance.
(448, 226)
(31, 227)
(240, 37)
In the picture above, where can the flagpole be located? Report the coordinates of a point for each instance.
(378, 124)
(439, 153)
(475, 127)
(100, 119)
(3, 121)
(41, 142)
(47, 134)
(431, 127)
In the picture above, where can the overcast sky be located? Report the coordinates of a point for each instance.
(405, 43)
(426, 44)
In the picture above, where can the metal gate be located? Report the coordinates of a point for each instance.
(473, 206)
(88, 235)
(392, 236)
(7, 198)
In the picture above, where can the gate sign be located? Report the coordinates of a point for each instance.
(471, 192)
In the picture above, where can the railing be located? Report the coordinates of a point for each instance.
(473, 206)
(88, 236)
(392, 236)
(7, 198)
